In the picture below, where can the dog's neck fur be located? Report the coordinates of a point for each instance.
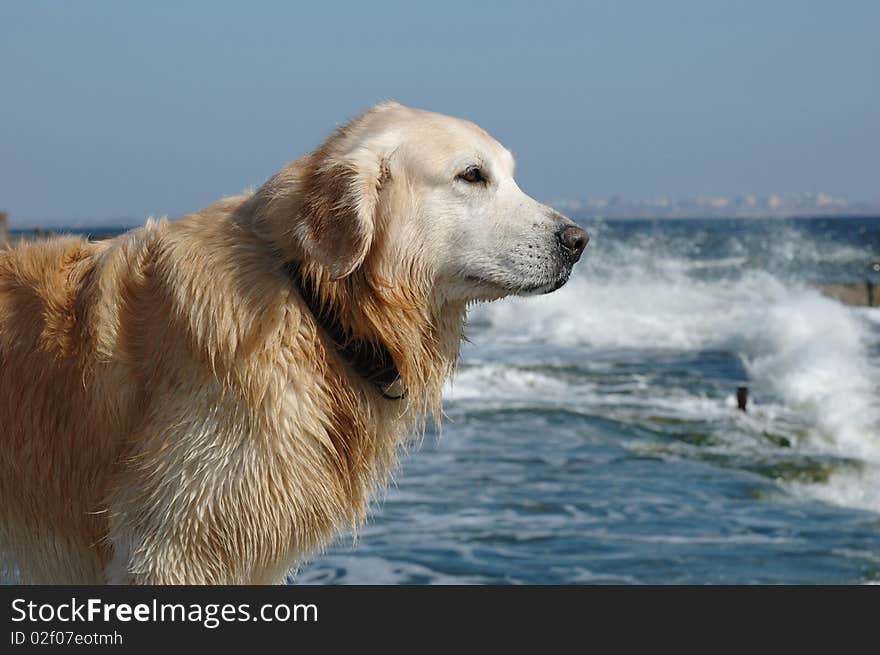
(394, 327)
(371, 361)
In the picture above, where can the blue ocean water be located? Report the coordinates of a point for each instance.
(592, 434)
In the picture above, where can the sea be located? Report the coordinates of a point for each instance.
(592, 435)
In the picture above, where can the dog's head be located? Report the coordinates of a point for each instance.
(400, 189)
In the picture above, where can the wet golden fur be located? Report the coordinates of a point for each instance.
(169, 410)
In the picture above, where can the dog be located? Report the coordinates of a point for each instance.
(212, 400)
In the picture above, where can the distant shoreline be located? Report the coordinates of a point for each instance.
(723, 217)
(128, 224)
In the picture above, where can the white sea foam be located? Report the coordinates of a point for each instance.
(858, 488)
(809, 354)
(497, 381)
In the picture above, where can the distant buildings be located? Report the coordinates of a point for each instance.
(774, 205)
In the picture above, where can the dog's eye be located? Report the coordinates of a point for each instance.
(472, 174)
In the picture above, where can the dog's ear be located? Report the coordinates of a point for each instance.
(340, 199)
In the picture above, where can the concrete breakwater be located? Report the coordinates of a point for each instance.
(857, 294)
(4, 228)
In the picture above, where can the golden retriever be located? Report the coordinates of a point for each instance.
(211, 400)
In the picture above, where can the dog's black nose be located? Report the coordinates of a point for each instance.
(574, 239)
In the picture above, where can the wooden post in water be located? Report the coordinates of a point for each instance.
(4, 229)
(742, 398)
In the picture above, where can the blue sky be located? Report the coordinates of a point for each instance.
(118, 109)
